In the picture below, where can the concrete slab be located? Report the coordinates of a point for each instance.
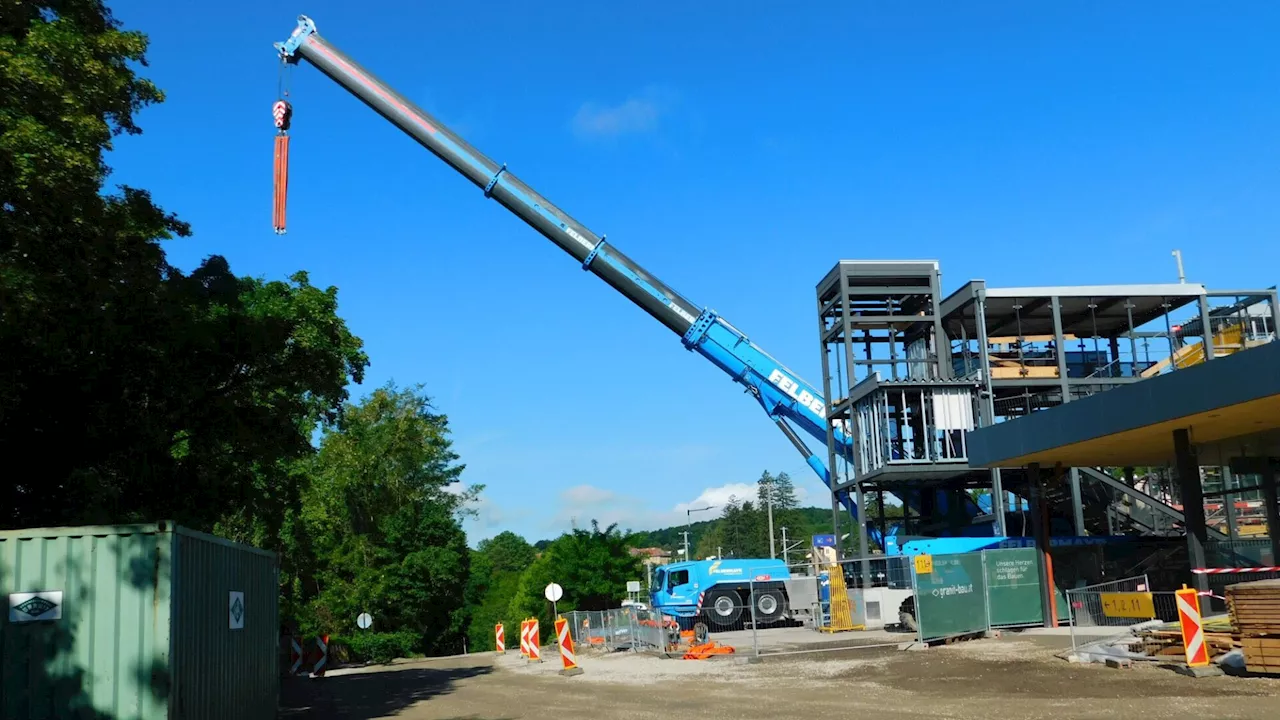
(786, 639)
(1196, 672)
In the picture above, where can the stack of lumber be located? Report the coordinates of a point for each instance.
(1166, 641)
(1255, 617)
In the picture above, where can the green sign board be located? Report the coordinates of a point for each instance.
(951, 600)
(1013, 588)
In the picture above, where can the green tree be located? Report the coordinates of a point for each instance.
(742, 530)
(496, 567)
(779, 491)
(383, 510)
(593, 566)
(139, 392)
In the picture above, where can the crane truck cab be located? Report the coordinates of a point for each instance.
(723, 593)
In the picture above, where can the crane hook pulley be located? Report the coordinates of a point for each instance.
(282, 112)
(282, 115)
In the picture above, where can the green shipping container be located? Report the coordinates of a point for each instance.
(136, 622)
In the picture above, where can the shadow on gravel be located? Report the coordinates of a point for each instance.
(367, 695)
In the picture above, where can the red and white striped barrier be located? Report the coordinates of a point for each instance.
(535, 651)
(498, 644)
(1192, 629)
(322, 647)
(1225, 571)
(566, 649)
(295, 655)
(524, 638)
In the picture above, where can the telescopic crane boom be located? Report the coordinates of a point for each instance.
(788, 400)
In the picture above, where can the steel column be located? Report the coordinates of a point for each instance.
(984, 350)
(1192, 494)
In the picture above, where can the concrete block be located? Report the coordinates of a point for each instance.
(746, 660)
(914, 646)
(1197, 672)
(571, 672)
(1119, 663)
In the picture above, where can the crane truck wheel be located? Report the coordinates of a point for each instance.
(770, 606)
(723, 608)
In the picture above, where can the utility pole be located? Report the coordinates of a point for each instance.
(768, 498)
(788, 547)
(688, 524)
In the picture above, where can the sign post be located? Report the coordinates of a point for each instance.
(553, 593)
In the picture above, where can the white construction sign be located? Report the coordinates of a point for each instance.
(33, 606)
(235, 610)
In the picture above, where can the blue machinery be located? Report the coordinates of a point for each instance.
(789, 401)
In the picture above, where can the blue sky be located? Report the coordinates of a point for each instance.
(738, 150)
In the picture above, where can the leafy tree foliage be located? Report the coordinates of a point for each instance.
(139, 392)
(496, 567)
(383, 511)
(593, 566)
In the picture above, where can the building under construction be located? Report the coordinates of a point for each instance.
(909, 373)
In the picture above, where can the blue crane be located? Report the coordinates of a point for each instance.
(792, 404)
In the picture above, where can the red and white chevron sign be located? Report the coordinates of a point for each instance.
(1192, 627)
(567, 655)
(280, 112)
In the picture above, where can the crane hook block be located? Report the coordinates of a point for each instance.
(282, 113)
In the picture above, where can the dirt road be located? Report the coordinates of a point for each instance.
(1001, 679)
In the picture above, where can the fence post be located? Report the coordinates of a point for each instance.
(751, 601)
(986, 588)
(915, 599)
(1071, 618)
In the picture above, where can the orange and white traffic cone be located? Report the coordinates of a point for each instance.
(566, 649)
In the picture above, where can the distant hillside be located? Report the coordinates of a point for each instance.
(753, 539)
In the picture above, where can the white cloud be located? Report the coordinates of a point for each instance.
(718, 497)
(637, 114)
(587, 496)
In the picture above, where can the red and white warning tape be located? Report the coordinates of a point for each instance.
(1224, 571)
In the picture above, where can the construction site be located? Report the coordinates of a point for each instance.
(1045, 501)
(1089, 460)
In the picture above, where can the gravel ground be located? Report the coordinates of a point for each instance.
(1006, 679)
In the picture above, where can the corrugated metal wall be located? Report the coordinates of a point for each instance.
(219, 672)
(145, 631)
(108, 654)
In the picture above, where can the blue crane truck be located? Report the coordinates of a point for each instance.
(727, 593)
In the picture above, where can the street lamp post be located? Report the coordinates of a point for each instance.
(688, 522)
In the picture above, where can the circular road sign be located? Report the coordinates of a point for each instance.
(554, 592)
(365, 621)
